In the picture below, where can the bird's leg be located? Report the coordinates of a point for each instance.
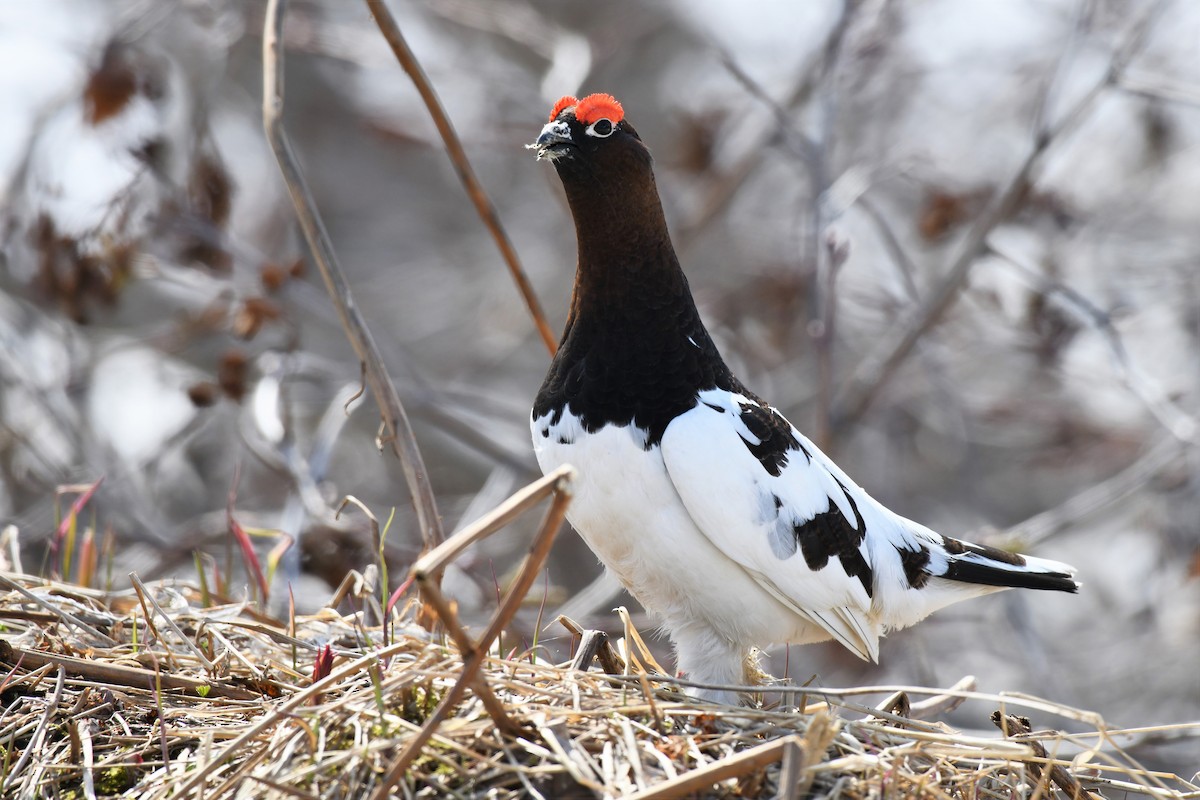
(703, 656)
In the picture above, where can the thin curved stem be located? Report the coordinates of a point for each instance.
(466, 174)
(399, 432)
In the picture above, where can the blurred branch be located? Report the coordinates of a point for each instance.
(1179, 423)
(400, 434)
(891, 243)
(822, 325)
(877, 369)
(1054, 82)
(515, 20)
(1043, 525)
(470, 435)
(595, 598)
(757, 136)
(1159, 88)
(569, 54)
(472, 419)
(825, 256)
(483, 205)
(804, 147)
(820, 259)
(285, 455)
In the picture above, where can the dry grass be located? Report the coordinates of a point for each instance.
(99, 700)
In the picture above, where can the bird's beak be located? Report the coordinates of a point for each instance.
(554, 138)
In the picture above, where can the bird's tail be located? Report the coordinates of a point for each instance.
(988, 566)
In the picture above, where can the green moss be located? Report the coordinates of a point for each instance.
(431, 767)
(114, 780)
(437, 771)
(110, 781)
(417, 703)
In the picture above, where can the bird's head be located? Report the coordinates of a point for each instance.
(589, 137)
(608, 178)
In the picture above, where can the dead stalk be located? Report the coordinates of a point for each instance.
(1018, 728)
(399, 431)
(462, 165)
(557, 485)
(736, 766)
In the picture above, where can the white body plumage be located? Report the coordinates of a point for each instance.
(698, 532)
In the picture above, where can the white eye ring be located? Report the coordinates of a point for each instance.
(605, 129)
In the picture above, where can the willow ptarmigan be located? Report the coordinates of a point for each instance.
(721, 518)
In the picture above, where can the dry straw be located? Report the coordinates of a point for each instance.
(100, 700)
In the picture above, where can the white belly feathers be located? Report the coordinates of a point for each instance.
(628, 511)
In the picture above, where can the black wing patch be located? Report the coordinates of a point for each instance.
(775, 438)
(915, 564)
(827, 535)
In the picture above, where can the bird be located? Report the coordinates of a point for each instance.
(726, 523)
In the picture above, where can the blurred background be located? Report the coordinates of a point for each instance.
(955, 242)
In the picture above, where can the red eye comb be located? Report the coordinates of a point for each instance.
(566, 101)
(599, 106)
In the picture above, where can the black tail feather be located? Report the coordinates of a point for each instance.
(987, 575)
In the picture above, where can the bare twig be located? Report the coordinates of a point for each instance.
(791, 771)
(736, 766)
(400, 434)
(466, 174)
(145, 597)
(83, 729)
(877, 369)
(593, 645)
(1018, 729)
(943, 703)
(558, 485)
(62, 614)
(35, 743)
(282, 712)
(895, 704)
(121, 675)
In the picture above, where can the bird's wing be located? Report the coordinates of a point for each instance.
(772, 502)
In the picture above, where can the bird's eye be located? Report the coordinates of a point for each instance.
(603, 128)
